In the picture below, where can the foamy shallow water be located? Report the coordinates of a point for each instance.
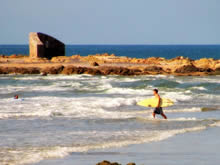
(57, 115)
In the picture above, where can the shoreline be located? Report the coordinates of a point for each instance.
(190, 148)
(106, 64)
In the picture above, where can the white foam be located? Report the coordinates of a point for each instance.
(130, 79)
(177, 96)
(192, 109)
(82, 107)
(216, 124)
(188, 91)
(200, 88)
(158, 76)
(185, 119)
(137, 92)
(207, 79)
(33, 155)
(11, 89)
(54, 77)
(88, 107)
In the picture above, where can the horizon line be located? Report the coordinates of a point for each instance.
(132, 44)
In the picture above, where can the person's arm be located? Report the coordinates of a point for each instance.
(158, 103)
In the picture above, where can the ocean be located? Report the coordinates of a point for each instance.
(135, 51)
(59, 115)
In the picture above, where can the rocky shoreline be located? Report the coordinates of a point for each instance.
(105, 64)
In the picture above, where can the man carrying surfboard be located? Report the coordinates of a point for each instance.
(158, 110)
(156, 102)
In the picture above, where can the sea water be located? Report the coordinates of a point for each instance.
(134, 51)
(57, 115)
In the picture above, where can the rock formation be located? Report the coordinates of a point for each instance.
(45, 46)
(104, 64)
(105, 162)
(94, 63)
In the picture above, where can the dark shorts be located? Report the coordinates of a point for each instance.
(158, 110)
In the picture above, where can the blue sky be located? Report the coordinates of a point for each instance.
(112, 21)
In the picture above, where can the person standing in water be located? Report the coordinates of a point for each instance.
(158, 110)
(15, 96)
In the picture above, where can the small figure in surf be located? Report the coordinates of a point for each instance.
(158, 110)
(15, 96)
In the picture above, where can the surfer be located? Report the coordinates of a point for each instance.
(158, 110)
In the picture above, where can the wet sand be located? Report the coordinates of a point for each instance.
(195, 148)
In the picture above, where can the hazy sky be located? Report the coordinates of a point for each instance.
(112, 21)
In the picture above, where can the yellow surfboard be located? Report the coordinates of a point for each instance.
(152, 102)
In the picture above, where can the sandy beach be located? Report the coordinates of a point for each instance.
(197, 148)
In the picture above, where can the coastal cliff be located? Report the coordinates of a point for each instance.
(105, 64)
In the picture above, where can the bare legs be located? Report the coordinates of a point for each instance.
(154, 114)
(164, 116)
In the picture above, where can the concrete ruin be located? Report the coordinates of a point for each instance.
(44, 46)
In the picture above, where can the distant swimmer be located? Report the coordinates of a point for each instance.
(16, 97)
(158, 110)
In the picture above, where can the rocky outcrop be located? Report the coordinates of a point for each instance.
(19, 70)
(108, 65)
(45, 46)
(120, 71)
(191, 68)
(187, 69)
(52, 70)
(81, 70)
(94, 64)
(205, 63)
(36, 60)
(217, 69)
(153, 69)
(105, 162)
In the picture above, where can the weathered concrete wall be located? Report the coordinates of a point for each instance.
(43, 45)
